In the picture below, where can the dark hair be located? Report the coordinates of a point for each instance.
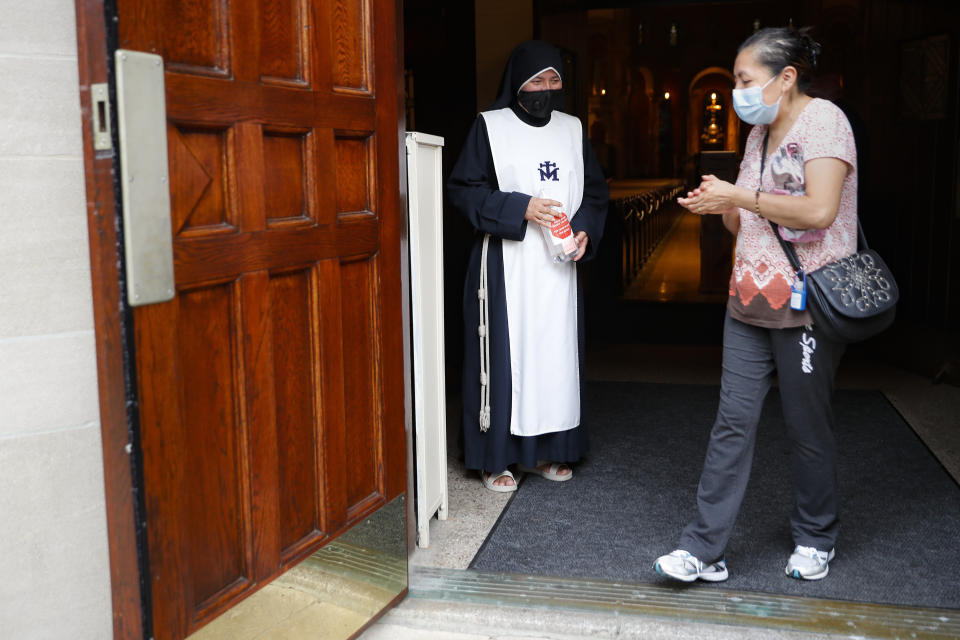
(779, 47)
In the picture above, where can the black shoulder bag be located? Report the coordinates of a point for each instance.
(850, 299)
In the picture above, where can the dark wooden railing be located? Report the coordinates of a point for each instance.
(641, 214)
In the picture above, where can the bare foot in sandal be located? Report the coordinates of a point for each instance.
(556, 471)
(502, 482)
(561, 470)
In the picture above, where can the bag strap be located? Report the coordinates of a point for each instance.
(788, 246)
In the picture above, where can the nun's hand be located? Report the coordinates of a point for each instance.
(539, 211)
(582, 239)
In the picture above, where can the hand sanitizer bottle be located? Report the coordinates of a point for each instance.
(561, 244)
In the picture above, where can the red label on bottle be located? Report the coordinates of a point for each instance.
(560, 228)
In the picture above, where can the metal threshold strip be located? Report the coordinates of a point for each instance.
(691, 604)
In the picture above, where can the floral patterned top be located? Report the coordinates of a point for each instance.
(762, 275)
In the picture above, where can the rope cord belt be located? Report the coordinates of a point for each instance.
(484, 339)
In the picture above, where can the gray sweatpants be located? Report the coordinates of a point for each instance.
(805, 364)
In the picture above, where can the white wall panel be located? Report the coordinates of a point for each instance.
(43, 249)
(425, 205)
(44, 27)
(53, 540)
(53, 550)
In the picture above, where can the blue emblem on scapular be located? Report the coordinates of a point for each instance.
(549, 171)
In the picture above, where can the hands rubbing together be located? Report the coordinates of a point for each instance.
(712, 196)
(539, 211)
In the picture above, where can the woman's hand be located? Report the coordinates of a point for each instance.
(582, 239)
(712, 196)
(539, 211)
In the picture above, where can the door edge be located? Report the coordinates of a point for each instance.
(126, 590)
(405, 283)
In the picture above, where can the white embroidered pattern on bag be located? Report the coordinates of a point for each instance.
(860, 282)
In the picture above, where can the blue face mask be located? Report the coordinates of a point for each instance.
(749, 105)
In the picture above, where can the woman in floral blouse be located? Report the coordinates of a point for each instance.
(808, 187)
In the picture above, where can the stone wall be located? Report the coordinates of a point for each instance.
(53, 540)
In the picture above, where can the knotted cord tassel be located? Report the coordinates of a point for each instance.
(484, 340)
(485, 419)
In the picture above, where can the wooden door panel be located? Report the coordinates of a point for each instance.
(362, 391)
(295, 376)
(271, 386)
(350, 40)
(355, 169)
(332, 391)
(284, 41)
(214, 443)
(286, 176)
(261, 414)
(199, 197)
(195, 35)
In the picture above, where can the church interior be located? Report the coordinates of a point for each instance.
(652, 83)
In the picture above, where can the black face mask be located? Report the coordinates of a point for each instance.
(540, 103)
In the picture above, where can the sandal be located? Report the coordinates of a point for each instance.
(488, 480)
(551, 472)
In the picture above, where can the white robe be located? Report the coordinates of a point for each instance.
(541, 294)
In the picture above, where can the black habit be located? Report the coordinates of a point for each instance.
(473, 191)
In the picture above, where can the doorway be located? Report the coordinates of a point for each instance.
(684, 347)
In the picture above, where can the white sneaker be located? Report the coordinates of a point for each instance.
(807, 563)
(680, 565)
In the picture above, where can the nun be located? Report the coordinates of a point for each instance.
(524, 163)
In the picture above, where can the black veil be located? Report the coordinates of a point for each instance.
(526, 61)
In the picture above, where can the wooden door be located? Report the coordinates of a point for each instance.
(271, 387)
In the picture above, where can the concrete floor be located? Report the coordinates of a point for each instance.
(522, 623)
(415, 620)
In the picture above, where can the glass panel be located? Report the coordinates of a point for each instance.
(333, 592)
